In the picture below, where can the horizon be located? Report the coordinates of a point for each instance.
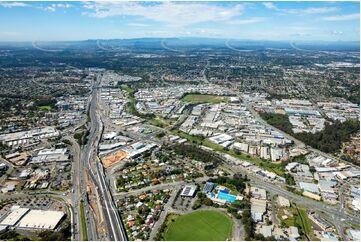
(184, 38)
(63, 21)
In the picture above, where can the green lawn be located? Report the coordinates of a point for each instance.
(204, 98)
(299, 219)
(304, 221)
(200, 226)
(83, 223)
(45, 108)
(160, 122)
(128, 89)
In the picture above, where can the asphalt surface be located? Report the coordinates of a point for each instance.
(114, 225)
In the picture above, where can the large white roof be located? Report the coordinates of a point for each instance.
(14, 216)
(41, 219)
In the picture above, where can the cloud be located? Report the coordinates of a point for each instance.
(302, 11)
(312, 10)
(172, 13)
(270, 5)
(138, 25)
(9, 34)
(336, 33)
(53, 7)
(12, 4)
(247, 21)
(342, 17)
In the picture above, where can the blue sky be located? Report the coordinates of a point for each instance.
(48, 21)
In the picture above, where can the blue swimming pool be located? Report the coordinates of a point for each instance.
(226, 196)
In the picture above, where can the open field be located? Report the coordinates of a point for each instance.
(200, 225)
(305, 223)
(298, 217)
(159, 122)
(204, 98)
(114, 158)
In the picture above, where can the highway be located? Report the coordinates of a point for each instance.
(113, 222)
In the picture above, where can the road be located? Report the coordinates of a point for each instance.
(113, 222)
(114, 225)
(297, 142)
(278, 189)
(157, 187)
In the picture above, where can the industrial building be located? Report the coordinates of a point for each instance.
(41, 219)
(51, 155)
(16, 213)
(26, 218)
(26, 137)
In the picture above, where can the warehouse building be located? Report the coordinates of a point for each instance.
(41, 219)
(25, 218)
(16, 213)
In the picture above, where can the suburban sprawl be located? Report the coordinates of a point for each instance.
(160, 139)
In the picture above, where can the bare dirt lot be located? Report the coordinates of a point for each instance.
(114, 158)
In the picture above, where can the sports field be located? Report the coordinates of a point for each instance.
(204, 98)
(200, 225)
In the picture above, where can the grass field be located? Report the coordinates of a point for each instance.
(83, 223)
(204, 98)
(200, 225)
(299, 219)
(45, 108)
(305, 222)
(159, 122)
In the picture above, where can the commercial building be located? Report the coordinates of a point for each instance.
(25, 218)
(320, 222)
(311, 195)
(188, 191)
(309, 187)
(258, 203)
(41, 219)
(208, 187)
(51, 155)
(16, 213)
(26, 137)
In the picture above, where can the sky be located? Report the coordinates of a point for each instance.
(58, 21)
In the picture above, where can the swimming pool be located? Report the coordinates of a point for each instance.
(227, 197)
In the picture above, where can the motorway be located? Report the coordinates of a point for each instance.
(113, 222)
(89, 163)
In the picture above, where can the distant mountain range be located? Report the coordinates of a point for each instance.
(190, 42)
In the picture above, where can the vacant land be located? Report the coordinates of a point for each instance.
(297, 217)
(204, 98)
(200, 225)
(114, 158)
(328, 140)
(159, 122)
